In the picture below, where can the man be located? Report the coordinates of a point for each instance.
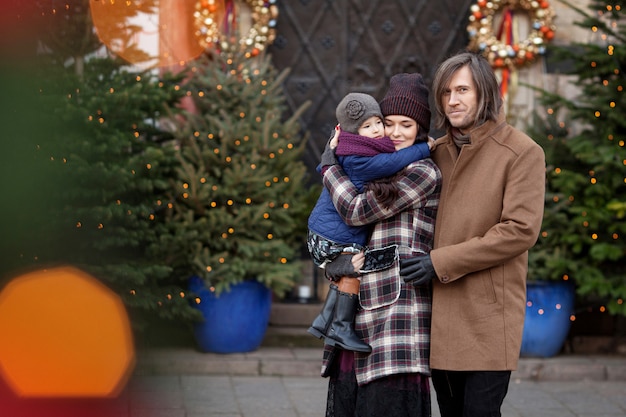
(490, 214)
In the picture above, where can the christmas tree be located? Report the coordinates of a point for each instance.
(583, 238)
(240, 202)
(90, 165)
(114, 162)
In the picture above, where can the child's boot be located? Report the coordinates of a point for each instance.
(341, 332)
(321, 324)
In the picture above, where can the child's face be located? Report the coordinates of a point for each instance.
(372, 128)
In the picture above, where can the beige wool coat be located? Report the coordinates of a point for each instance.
(490, 214)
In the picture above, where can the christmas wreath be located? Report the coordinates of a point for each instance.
(500, 47)
(211, 33)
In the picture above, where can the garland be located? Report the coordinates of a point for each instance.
(211, 34)
(500, 48)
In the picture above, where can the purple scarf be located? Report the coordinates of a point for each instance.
(352, 144)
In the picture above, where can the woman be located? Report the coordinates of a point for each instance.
(365, 154)
(395, 317)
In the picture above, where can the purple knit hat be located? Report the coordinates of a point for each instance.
(408, 96)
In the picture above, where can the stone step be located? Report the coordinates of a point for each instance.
(289, 323)
(292, 337)
(294, 314)
(305, 362)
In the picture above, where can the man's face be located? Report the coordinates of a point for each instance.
(460, 100)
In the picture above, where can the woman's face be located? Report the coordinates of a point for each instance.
(402, 130)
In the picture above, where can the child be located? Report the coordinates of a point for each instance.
(365, 155)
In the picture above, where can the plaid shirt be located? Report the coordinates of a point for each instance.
(395, 317)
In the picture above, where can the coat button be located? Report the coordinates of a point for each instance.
(445, 278)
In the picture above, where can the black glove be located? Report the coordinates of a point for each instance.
(418, 270)
(328, 157)
(340, 267)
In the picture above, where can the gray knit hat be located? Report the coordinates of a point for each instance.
(354, 109)
(408, 96)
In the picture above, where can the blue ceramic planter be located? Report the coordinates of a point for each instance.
(234, 322)
(549, 306)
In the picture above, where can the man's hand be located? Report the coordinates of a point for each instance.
(431, 143)
(343, 266)
(418, 270)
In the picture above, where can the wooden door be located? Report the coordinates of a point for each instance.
(334, 47)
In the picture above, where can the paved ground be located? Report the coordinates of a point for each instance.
(276, 396)
(284, 382)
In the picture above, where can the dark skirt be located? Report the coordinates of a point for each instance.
(402, 395)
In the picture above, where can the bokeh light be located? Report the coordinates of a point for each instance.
(64, 334)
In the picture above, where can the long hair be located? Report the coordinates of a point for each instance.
(488, 92)
(386, 190)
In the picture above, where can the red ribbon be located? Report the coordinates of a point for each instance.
(230, 18)
(506, 29)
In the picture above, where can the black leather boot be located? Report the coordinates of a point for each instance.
(341, 331)
(320, 325)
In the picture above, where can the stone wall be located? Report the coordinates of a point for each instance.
(522, 101)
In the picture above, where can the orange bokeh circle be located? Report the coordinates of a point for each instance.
(64, 334)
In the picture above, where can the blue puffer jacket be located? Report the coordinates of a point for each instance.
(324, 219)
